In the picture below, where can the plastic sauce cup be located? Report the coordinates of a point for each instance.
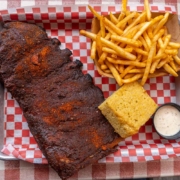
(166, 121)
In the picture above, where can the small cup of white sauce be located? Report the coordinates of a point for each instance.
(166, 121)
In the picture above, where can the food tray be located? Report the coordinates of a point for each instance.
(65, 22)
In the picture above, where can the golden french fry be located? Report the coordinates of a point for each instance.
(103, 67)
(160, 55)
(169, 47)
(117, 67)
(106, 74)
(172, 64)
(109, 30)
(98, 45)
(107, 71)
(149, 32)
(132, 79)
(157, 74)
(173, 52)
(124, 5)
(129, 75)
(126, 70)
(174, 45)
(88, 34)
(107, 37)
(142, 30)
(123, 26)
(121, 68)
(139, 57)
(92, 35)
(137, 70)
(170, 70)
(156, 19)
(114, 56)
(115, 73)
(102, 58)
(102, 27)
(161, 23)
(140, 51)
(147, 9)
(125, 62)
(158, 35)
(113, 27)
(121, 16)
(148, 64)
(126, 19)
(131, 32)
(94, 12)
(126, 40)
(154, 66)
(111, 51)
(113, 18)
(128, 49)
(147, 39)
(160, 42)
(144, 43)
(162, 62)
(166, 40)
(129, 22)
(135, 22)
(93, 50)
(177, 59)
(120, 51)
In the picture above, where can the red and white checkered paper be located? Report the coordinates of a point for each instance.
(65, 22)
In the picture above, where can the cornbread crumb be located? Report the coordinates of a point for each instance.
(128, 109)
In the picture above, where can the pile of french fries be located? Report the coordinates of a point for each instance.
(133, 46)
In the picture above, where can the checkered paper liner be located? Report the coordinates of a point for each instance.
(65, 22)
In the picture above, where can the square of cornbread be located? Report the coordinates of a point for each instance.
(128, 109)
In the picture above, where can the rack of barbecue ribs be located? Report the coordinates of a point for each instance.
(59, 102)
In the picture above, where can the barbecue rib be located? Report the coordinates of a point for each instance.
(59, 102)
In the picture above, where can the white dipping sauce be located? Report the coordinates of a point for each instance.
(167, 120)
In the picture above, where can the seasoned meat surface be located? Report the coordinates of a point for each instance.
(59, 102)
